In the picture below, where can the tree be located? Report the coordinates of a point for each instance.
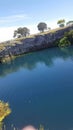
(21, 32)
(15, 33)
(69, 23)
(49, 28)
(61, 23)
(42, 26)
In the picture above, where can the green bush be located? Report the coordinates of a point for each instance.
(64, 42)
(69, 35)
(4, 110)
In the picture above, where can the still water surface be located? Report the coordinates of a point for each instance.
(39, 89)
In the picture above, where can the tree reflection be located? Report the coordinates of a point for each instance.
(1, 125)
(30, 61)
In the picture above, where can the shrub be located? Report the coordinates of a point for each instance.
(64, 42)
(4, 110)
(69, 35)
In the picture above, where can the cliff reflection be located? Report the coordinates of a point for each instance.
(41, 127)
(30, 61)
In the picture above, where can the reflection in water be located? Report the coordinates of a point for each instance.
(29, 127)
(41, 127)
(1, 125)
(30, 61)
(40, 91)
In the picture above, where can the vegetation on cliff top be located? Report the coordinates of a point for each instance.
(64, 42)
(42, 26)
(67, 40)
(61, 23)
(4, 110)
(23, 33)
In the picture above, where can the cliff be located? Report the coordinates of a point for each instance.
(10, 49)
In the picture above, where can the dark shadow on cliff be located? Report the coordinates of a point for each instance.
(30, 61)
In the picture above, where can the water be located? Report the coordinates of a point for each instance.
(39, 89)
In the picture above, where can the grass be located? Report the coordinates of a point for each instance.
(52, 31)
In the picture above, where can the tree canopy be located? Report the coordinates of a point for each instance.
(69, 23)
(21, 32)
(42, 26)
(61, 23)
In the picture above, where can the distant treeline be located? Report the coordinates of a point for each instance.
(42, 26)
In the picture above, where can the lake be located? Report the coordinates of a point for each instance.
(39, 89)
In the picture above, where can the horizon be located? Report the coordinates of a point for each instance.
(28, 13)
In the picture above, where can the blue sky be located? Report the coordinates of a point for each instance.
(15, 13)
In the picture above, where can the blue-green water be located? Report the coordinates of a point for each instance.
(39, 89)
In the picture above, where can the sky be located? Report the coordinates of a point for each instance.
(28, 13)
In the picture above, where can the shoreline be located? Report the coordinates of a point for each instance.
(11, 49)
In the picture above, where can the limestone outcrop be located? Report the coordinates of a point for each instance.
(38, 42)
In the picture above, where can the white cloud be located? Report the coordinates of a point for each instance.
(13, 18)
(6, 33)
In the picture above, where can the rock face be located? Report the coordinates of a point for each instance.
(38, 42)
